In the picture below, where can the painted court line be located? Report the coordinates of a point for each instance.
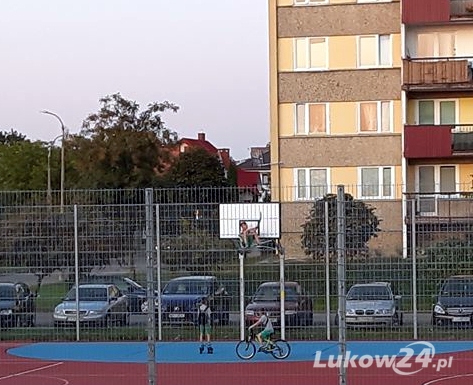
(31, 371)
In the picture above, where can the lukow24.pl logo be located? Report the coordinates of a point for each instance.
(409, 360)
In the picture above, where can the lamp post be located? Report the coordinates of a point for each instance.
(50, 145)
(63, 129)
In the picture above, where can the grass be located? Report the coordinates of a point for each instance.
(50, 295)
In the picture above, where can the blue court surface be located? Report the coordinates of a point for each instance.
(224, 352)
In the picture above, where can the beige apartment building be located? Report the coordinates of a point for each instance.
(376, 95)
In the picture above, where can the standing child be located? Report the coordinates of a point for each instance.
(204, 321)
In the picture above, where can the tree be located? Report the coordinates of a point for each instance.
(197, 168)
(23, 164)
(361, 225)
(12, 137)
(121, 147)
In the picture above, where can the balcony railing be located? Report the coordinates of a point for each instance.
(461, 8)
(438, 74)
(438, 141)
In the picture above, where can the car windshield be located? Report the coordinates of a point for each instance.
(458, 287)
(369, 293)
(188, 287)
(88, 294)
(7, 292)
(272, 293)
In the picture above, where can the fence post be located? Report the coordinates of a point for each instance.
(327, 272)
(414, 267)
(76, 268)
(158, 272)
(150, 287)
(241, 257)
(342, 305)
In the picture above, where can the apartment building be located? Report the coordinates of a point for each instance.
(374, 95)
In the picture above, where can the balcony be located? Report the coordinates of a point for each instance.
(438, 141)
(461, 9)
(438, 74)
(418, 12)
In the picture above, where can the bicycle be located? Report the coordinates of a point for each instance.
(246, 349)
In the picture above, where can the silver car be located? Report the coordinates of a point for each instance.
(102, 304)
(373, 304)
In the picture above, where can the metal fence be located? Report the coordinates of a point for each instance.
(55, 250)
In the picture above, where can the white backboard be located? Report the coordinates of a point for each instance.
(266, 215)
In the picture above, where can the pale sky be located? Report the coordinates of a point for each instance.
(210, 57)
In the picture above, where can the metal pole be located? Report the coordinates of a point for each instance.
(327, 272)
(414, 267)
(341, 252)
(76, 267)
(282, 289)
(63, 129)
(50, 199)
(158, 268)
(150, 287)
(241, 256)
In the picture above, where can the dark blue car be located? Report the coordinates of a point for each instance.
(181, 297)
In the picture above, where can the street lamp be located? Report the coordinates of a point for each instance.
(63, 129)
(50, 145)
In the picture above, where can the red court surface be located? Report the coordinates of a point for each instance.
(21, 371)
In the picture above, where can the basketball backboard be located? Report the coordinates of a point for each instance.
(265, 216)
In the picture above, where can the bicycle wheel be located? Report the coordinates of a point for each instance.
(281, 350)
(245, 350)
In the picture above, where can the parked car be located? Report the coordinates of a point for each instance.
(135, 293)
(181, 296)
(297, 304)
(17, 305)
(372, 304)
(454, 302)
(102, 304)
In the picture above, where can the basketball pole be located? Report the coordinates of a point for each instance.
(241, 257)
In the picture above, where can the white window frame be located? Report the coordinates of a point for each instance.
(307, 186)
(380, 182)
(437, 109)
(307, 67)
(437, 168)
(379, 128)
(377, 64)
(436, 37)
(307, 119)
(310, 2)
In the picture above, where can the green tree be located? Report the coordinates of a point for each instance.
(197, 168)
(23, 164)
(361, 225)
(121, 146)
(11, 137)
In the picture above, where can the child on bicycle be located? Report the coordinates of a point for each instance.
(264, 336)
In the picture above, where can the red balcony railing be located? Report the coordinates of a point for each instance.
(437, 141)
(417, 12)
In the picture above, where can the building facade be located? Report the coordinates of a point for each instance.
(375, 95)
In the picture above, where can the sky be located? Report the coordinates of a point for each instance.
(209, 57)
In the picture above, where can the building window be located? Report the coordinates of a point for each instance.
(431, 112)
(374, 51)
(310, 2)
(375, 116)
(436, 179)
(310, 53)
(376, 182)
(311, 118)
(311, 183)
(441, 44)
